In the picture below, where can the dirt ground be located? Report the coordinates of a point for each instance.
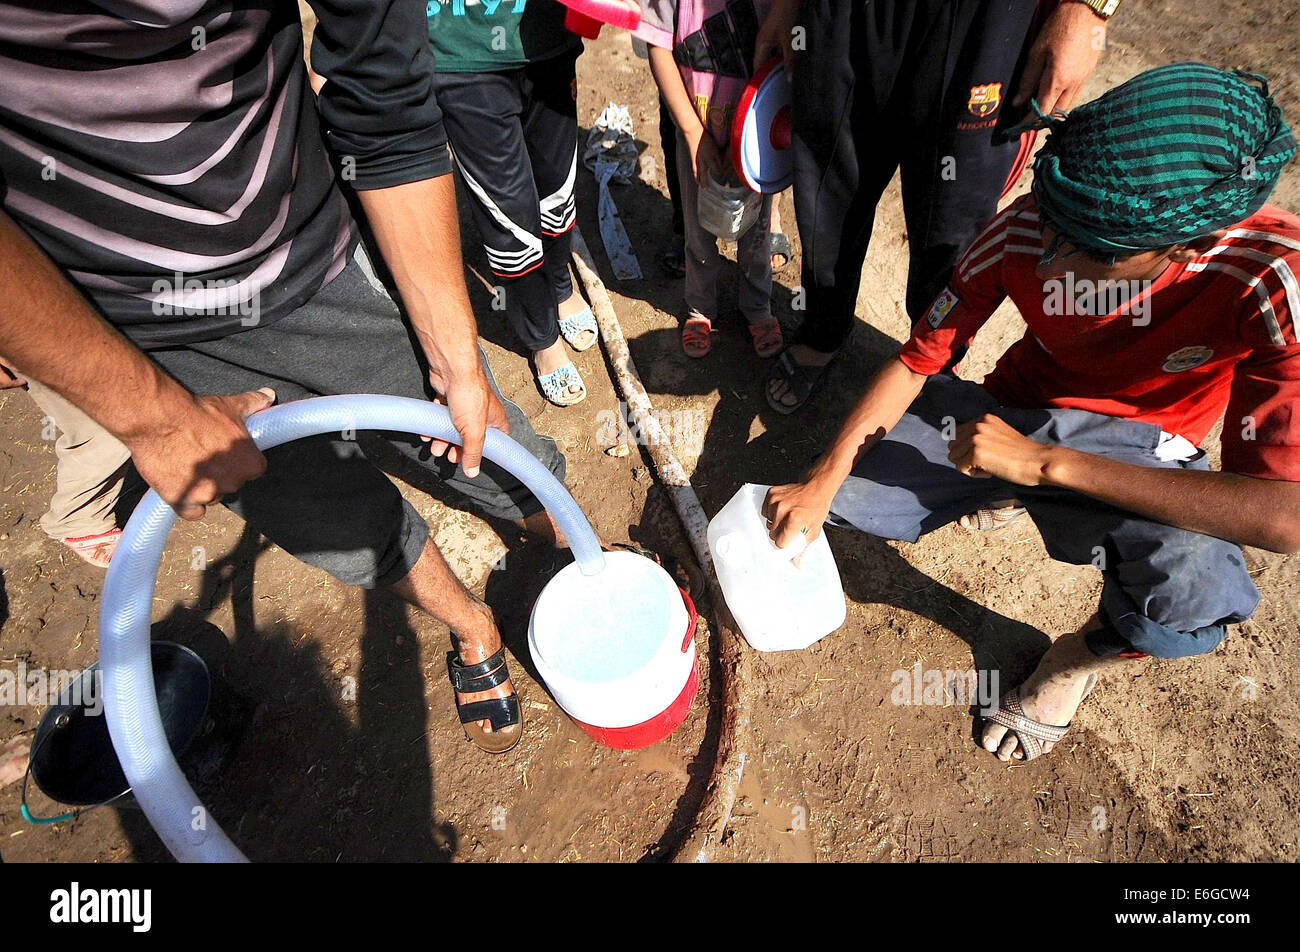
(1170, 760)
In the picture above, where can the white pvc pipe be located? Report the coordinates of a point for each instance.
(130, 704)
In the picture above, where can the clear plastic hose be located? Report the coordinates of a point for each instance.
(131, 706)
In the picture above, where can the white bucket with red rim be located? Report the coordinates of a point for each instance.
(617, 649)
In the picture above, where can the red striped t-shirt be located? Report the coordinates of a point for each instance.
(1207, 336)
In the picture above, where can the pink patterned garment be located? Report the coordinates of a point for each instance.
(713, 44)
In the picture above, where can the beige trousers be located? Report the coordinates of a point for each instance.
(93, 469)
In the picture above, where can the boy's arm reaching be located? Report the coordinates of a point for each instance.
(954, 318)
(801, 508)
(1243, 509)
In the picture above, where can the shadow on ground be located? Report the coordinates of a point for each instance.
(307, 783)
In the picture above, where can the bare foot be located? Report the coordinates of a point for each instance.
(804, 356)
(13, 759)
(541, 525)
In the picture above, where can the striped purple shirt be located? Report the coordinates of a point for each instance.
(169, 154)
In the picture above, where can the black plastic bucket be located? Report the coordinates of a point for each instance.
(72, 758)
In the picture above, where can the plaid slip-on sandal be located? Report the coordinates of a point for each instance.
(500, 712)
(1030, 733)
(997, 515)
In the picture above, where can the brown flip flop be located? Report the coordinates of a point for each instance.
(681, 576)
(500, 712)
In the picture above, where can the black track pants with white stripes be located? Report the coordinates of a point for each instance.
(924, 86)
(514, 134)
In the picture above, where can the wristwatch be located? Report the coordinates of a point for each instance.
(1103, 8)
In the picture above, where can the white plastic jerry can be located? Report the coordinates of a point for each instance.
(778, 605)
(727, 211)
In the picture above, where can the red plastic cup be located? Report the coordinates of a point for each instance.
(586, 17)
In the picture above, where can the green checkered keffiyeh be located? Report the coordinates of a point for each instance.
(1175, 153)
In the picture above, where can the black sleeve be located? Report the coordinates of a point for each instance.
(382, 119)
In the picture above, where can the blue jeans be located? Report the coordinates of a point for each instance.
(1167, 592)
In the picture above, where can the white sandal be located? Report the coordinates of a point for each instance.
(575, 325)
(555, 386)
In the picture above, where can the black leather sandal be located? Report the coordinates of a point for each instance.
(799, 380)
(779, 244)
(500, 712)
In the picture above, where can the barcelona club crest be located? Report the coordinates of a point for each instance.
(985, 99)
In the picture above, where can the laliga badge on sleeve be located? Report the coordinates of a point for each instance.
(941, 308)
(761, 132)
